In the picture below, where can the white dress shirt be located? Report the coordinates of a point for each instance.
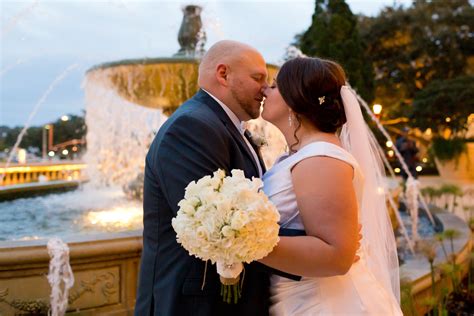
(239, 125)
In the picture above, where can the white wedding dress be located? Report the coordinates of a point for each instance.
(356, 293)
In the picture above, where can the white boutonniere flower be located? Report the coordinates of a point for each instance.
(258, 140)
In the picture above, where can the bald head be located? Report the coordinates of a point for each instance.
(236, 74)
(231, 53)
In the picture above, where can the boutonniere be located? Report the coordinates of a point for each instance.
(258, 140)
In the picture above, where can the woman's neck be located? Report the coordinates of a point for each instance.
(305, 135)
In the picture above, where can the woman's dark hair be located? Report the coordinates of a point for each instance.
(311, 87)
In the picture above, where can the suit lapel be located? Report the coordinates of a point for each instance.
(219, 111)
(248, 135)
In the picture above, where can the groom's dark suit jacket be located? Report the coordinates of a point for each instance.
(195, 141)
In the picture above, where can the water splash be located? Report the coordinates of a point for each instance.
(33, 113)
(10, 67)
(65, 214)
(16, 18)
(60, 276)
(291, 52)
(119, 133)
(397, 153)
(115, 218)
(276, 143)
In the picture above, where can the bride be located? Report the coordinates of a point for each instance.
(325, 186)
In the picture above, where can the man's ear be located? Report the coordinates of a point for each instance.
(222, 72)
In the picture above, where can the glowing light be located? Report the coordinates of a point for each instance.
(74, 148)
(21, 156)
(47, 126)
(44, 168)
(30, 238)
(64, 118)
(397, 170)
(390, 153)
(65, 152)
(51, 153)
(428, 131)
(470, 118)
(389, 144)
(419, 168)
(448, 119)
(377, 108)
(119, 217)
(425, 160)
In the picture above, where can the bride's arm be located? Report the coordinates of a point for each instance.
(328, 208)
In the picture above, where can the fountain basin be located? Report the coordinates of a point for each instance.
(106, 267)
(162, 83)
(416, 273)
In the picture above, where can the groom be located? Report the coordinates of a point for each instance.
(203, 135)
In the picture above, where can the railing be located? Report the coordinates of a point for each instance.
(41, 172)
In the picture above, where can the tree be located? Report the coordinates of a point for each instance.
(334, 34)
(73, 128)
(410, 48)
(444, 105)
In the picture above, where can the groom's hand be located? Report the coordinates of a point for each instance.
(357, 258)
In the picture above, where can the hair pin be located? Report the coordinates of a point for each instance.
(321, 99)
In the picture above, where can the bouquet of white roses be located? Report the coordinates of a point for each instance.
(227, 220)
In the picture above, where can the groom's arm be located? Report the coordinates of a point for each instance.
(191, 149)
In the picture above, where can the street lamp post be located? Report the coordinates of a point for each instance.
(50, 136)
(47, 142)
(44, 149)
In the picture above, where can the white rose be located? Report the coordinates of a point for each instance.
(202, 233)
(227, 231)
(239, 220)
(191, 190)
(220, 174)
(194, 201)
(208, 196)
(187, 209)
(223, 206)
(237, 174)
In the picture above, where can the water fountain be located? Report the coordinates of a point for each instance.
(126, 103)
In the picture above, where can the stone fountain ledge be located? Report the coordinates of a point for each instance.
(105, 268)
(144, 61)
(21, 252)
(152, 61)
(15, 191)
(417, 269)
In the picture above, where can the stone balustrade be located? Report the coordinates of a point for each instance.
(40, 172)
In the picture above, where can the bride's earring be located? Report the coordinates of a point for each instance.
(290, 120)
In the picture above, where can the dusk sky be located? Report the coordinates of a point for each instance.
(39, 40)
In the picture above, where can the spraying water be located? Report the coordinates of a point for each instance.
(35, 110)
(15, 19)
(413, 183)
(119, 133)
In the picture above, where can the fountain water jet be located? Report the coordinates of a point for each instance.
(33, 112)
(14, 20)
